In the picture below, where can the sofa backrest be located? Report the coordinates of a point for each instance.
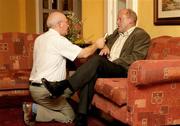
(164, 47)
(16, 50)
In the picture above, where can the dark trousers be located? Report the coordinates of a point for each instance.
(85, 77)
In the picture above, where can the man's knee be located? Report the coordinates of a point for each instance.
(96, 58)
(69, 116)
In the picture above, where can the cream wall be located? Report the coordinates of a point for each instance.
(145, 20)
(93, 19)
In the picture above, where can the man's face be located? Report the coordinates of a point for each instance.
(64, 26)
(122, 21)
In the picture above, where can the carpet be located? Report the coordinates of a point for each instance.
(11, 114)
(14, 117)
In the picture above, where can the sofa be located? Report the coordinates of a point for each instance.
(149, 96)
(15, 63)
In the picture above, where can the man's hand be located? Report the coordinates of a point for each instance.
(104, 51)
(100, 43)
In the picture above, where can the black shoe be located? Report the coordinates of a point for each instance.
(81, 120)
(55, 88)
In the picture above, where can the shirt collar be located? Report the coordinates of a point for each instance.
(128, 32)
(54, 31)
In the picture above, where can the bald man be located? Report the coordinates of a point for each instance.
(51, 50)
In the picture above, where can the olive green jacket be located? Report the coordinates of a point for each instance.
(135, 47)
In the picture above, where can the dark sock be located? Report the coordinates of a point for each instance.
(82, 115)
(81, 120)
(33, 116)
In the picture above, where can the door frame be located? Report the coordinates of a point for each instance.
(111, 11)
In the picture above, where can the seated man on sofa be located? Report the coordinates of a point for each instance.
(127, 44)
(49, 60)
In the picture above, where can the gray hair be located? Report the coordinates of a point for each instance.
(53, 19)
(131, 14)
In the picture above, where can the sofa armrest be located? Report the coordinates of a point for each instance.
(148, 72)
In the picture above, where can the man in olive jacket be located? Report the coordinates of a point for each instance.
(127, 44)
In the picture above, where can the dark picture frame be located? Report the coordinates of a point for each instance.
(164, 15)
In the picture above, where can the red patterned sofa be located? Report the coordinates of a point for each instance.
(150, 96)
(15, 63)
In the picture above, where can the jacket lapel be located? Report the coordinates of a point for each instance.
(128, 42)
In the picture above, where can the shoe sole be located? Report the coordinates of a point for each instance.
(26, 121)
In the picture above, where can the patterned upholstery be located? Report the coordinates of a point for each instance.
(149, 72)
(148, 97)
(163, 47)
(113, 89)
(15, 62)
(152, 88)
(110, 108)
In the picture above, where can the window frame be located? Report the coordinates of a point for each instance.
(77, 7)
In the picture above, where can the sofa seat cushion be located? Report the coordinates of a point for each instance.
(117, 112)
(14, 80)
(11, 93)
(114, 89)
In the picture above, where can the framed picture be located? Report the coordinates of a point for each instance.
(166, 12)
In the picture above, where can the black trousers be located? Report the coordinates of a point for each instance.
(85, 77)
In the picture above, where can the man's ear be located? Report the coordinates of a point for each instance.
(61, 24)
(131, 21)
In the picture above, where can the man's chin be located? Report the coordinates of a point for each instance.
(119, 30)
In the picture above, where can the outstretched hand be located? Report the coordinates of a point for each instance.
(100, 43)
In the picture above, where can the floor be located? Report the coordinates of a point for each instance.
(11, 114)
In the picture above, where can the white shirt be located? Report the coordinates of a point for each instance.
(118, 45)
(49, 56)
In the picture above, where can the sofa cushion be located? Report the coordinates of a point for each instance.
(16, 50)
(14, 79)
(119, 113)
(171, 57)
(16, 53)
(114, 89)
(164, 46)
(14, 93)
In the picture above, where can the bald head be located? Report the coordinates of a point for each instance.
(54, 18)
(58, 21)
(130, 14)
